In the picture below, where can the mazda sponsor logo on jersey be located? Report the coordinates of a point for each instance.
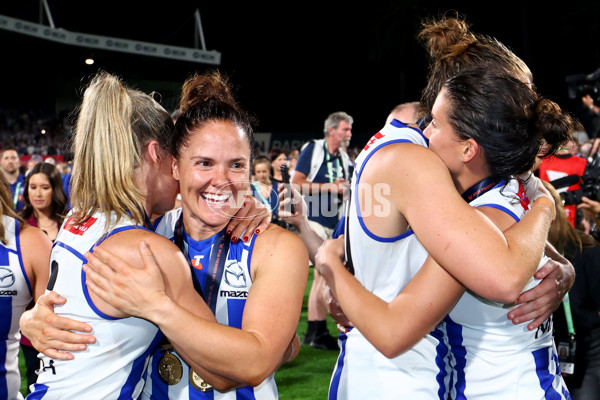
(7, 277)
(242, 294)
(234, 275)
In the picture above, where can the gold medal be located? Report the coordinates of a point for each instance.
(199, 383)
(170, 369)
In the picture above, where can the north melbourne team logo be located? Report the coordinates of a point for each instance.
(234, 275)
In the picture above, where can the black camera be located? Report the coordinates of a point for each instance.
(581, 84)
(590, 187)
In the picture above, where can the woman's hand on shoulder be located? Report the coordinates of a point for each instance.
(132, 284)
(253, 218)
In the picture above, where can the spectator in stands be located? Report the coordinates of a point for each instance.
(322, 173)
(44, 199)
(265, 189)
(63, 168)
(293, 159)
(32, 162)
(10, 164)
(278, 158)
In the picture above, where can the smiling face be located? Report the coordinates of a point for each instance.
(40, 192)
(213, 171)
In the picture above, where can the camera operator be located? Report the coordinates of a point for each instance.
(564, 170)
(585, 200)
(592, 206)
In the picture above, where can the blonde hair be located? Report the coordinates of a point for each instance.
(114, 125)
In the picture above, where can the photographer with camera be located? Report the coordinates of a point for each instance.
(591, 205)
(564, 171)
(579, 192)
(591, 212)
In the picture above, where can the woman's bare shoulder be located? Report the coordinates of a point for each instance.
(125, 244)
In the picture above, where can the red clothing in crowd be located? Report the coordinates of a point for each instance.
(559, 166)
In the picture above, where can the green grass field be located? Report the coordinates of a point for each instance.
(23, 375)
(305, 378)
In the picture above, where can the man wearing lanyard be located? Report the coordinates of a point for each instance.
(321, 175)
(10, 163)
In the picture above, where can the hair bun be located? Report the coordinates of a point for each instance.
(200, 89)
(445, 36)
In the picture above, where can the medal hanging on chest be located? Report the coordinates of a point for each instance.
(170, 368)
(199, 383)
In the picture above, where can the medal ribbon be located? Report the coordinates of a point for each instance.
(568, 315)
(16, 196)
(329, 161)
(147, 222)
(218, 256)
(480, 188)
(259, 194)
(570, 360)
